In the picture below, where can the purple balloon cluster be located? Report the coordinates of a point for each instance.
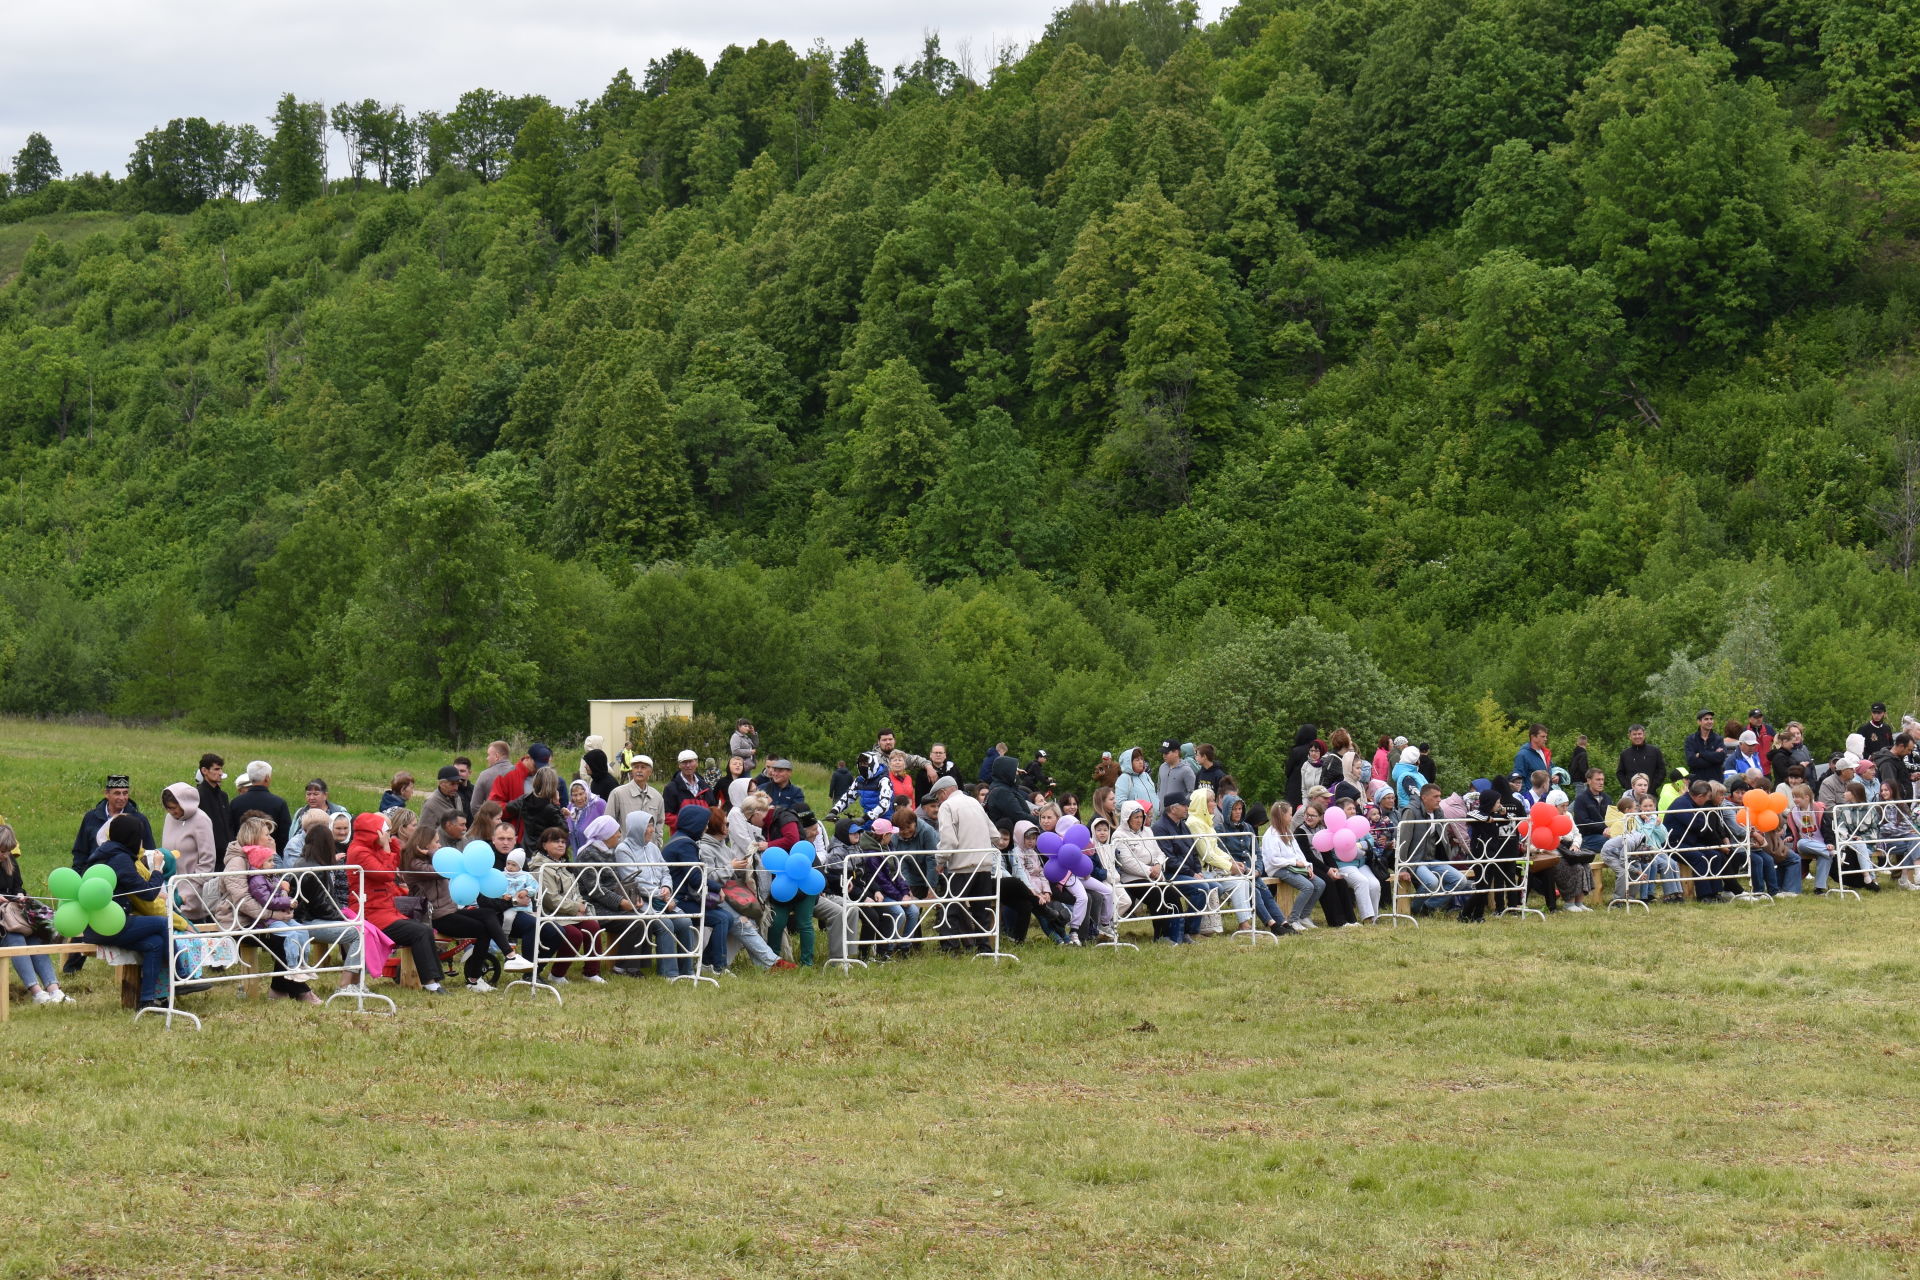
(1066, 851)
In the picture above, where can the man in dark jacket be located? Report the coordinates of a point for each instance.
(259, 798)
(1005, 804)
(117, 800)
(1706, 751)
(686, 787)
(214, 801)
(779, 786)
(1181, 870)
(1877, 732)
(1892, 768)
(994, 752)
(1034, 778)
(1642, 756)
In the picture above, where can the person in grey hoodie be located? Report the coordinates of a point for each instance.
(1177, 776)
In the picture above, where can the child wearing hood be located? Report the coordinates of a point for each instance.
(1026, 873)
(1238, 842)
(1106, 859)
(1077, 889)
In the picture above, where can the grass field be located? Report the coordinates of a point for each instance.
(62, 228)
(1709, 1091)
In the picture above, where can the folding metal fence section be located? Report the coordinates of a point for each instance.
(1874, 838)
(272, 936)
(954, 908)
(649, 932)
(1690, 858)
(1498, 871)
(1207, 892)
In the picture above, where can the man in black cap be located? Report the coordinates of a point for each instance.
(1877, 732)
(1176, 775)
(445, 798)
(117, 800)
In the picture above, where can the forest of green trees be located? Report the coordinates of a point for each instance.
(1420, 364)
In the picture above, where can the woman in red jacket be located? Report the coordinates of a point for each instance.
(371, 849)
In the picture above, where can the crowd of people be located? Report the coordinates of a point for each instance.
(606, 869)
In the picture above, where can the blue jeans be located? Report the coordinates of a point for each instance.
(723, 923)
(33, 970)
(1307, 889)
(148, 936)
(675, 934)
(1774, 877)
(1264, 904)
(296, 938)
(1815, 848)
(894, 923)
(1194, 892)
(1437, 878)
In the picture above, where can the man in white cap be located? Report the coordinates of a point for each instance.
(686, 787)
(637, 795)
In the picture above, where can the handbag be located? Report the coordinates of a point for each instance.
(411, 905)
(741, 899)
(13, 919)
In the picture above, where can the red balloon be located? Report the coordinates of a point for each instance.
(1544, 839)
(1562, 824)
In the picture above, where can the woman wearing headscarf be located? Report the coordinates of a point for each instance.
(189, 833)
(583, 808)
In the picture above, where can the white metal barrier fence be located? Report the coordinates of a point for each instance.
(1702, 847)
(275, 936)
(648, 928)
(1192, 891)
(1434, 861)
(954, 907)
(1874, 838)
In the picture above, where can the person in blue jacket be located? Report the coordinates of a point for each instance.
(135, 877)
(1534, 754)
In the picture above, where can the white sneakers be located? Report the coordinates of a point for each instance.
(556, 982)
(517, 964)
(481, 985)
(596, 979)
(43, 996)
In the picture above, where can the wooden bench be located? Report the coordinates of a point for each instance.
(128, 974)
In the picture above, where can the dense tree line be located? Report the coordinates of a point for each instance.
(1467, 361)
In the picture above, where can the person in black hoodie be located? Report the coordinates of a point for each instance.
(1005, 804)
(600, 779)
(135, 876)
(1302, 744)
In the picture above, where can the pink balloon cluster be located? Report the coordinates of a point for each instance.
(1341, 835)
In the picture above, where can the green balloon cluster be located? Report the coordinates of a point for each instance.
(85, 901)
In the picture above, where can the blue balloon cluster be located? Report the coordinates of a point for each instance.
(793, 871)
(470, 872)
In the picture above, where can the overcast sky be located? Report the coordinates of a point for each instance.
(93, 75)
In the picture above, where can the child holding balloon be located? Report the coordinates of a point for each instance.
(1070, 866)
(1347, 838)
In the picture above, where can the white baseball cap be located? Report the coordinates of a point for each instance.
(686, 756)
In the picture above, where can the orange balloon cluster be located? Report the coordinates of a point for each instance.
(1760, 810)
(1545, 829)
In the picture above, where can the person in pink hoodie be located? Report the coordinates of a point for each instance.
(189, 834)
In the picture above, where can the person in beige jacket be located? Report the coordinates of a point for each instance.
(964, 857)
